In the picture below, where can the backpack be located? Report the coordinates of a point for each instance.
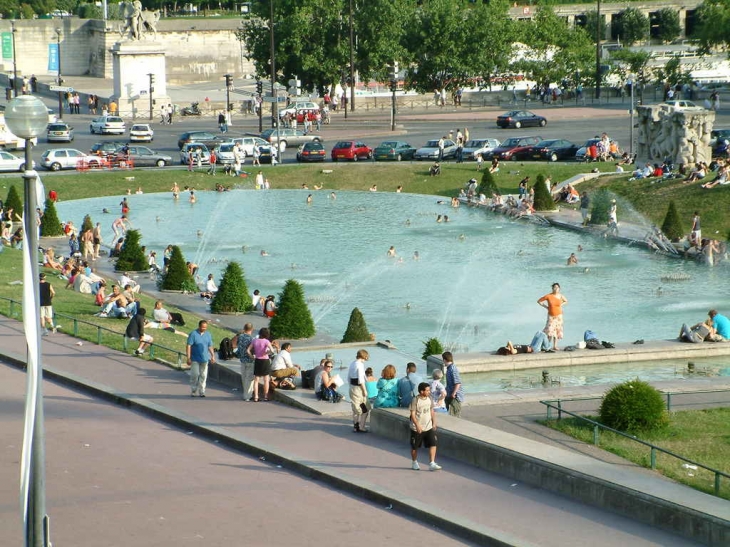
(593, 343)
(225, 351)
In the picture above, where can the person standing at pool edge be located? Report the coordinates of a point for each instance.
(358, 391)
(454, 389)
(553, 302)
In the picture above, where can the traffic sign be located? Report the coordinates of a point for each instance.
(61, 88)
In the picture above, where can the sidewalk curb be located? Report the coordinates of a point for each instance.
(424, 513)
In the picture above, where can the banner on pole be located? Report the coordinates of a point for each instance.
(7, 40)
(52, 57)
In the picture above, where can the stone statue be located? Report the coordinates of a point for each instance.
(137, 20)
(680, 136)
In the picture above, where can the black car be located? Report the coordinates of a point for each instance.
(106, 148)
(520, 118)
(550, 150)
(311, 151)
(208, 139)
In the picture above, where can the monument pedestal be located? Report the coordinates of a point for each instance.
(134, 61)
(679, 136)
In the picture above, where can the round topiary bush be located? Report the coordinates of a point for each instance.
(357, 329)
(432, 346)
(633, 406)
(232, 295)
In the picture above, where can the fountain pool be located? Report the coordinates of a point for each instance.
(474, 286)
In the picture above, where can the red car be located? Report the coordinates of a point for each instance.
(351, 150)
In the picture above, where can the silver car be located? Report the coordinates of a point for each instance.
(8, 162)
(142, 156)
(431, 150)
(68, 158)
(198, 149)
(107, 125)
(479, 146)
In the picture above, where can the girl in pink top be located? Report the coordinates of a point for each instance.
(259, 350)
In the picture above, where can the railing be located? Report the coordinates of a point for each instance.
(550, 404)
(178, 357)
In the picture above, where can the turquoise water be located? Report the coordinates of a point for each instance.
(474, 287)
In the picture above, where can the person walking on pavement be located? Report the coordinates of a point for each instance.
(47, 293)
(423, 427)
(358, 391)
(244, 340)
(200, 352)
(454, 389)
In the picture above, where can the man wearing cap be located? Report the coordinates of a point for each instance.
(46, 296)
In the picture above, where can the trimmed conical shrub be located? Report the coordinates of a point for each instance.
(432, 346)
(672, 226)
(131, 255)
(232, 295)
(292, 319)
(14, 202)
(357, 330)
(601, 206)
(488, 186)
(543, 199)
(50, 225)
(177, 277)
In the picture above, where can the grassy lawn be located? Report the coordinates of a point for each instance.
(81, 306)
(700, 435)
(651, 199)
(342, 176)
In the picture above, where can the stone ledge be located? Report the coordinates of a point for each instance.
(652, 500)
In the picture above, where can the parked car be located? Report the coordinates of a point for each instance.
(508, 148)
(288, 137)
(8, 162)
(205, 137)
(248, 144)
(141, 132)
(550, 150)
(311, 151)
(719, 135)
(107, 125)
(296, 106)
(351, 150)
(142, 156)
(478, 146)
(430, 151)
(67, 158)
(197, 148)
(224, 153)
(520, 118)
(394, 150)
(59, 132)
(580, 154)
(105, 148)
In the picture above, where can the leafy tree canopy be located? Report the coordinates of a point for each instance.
(631, 26)
(713, 24)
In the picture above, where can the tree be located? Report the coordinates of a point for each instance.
(601, 206)
(232, 295)
(14, 202)
(631, 26)
(357, 330)
(488, 186)
(50, 225)
(672, 73)
(432, 346)
(667, 23)
(131, 256)
(712, 27)
(590, 25)
(177, 277)
(293, 318)
(672, 226)
(634, 65)
(543, 199)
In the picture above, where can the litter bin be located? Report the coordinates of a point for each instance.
(8, 93)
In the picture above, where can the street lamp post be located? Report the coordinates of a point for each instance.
(15, 61)
(275, 104)
(598, 50)
(27, 117)
(60, 79)
(352, 63)
(631, 117)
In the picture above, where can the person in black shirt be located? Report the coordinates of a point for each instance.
(46, 293)
(135, 331)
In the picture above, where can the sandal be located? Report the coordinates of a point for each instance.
(255, 400)
(266, 399)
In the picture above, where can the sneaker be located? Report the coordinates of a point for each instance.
(137, 352)
(202, 394)
(54, 330)
(193, 393)
(415, 466)
(433, 466)
(45, 332)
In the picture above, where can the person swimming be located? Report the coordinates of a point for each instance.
(416, 256)
(438, 218)
(264, 253)
(309, 199)
(391, 251)
(333, 195)
(572, 259)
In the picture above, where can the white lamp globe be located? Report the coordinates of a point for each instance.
(26, 116)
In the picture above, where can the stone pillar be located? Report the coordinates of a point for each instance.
(682, 12)
(609, 19)
(133, 62)
(682, 136)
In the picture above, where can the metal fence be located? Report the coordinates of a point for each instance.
(97, 333)
(557, 404)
